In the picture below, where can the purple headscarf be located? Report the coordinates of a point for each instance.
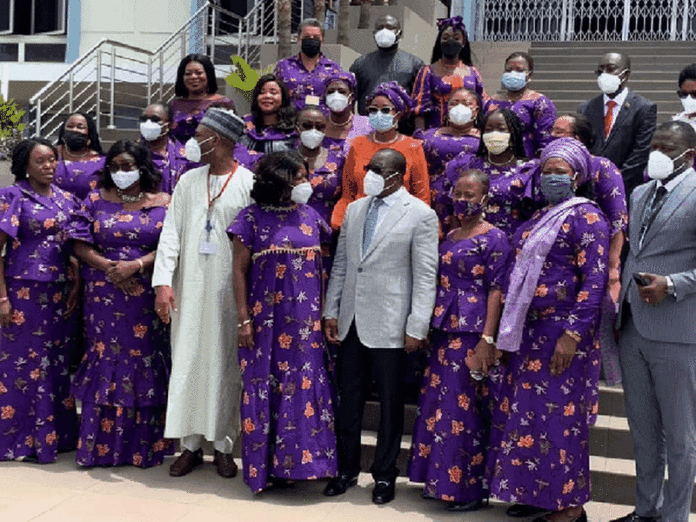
(343, 76)
(574, 153)
(396, 94)
(455, 22)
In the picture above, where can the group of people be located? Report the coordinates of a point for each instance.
(258, 275)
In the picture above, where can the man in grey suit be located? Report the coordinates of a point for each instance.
(657, 319)
(378, 305)
(622, 121)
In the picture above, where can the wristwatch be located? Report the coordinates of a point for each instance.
(670, 287)
(489, 339)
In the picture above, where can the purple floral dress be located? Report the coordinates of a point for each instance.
(450, 437)
(172, 165)
(37, 412)
(431, 92)
(301, 82)
(506, 208)
(252, 148)
(189, 113)
(287, 408)
(544, 458)
(360, 127)
(439, 150)
(79, 177)
(537, 115)
(122, 380)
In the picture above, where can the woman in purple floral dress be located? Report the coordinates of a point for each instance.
(271, 125)
(37, 412)
(501, 156)
(450, 438)
(80, 153)
(552, 307)
(287, 407)
(536, 111)
(122, 380)
(342, 123)
(460, 135)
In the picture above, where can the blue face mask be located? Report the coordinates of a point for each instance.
(514, 80)
(381, 122)
(556, 188)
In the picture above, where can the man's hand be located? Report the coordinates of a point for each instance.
(331, 330)
(164, 301)
(563, 356)
(412, 344)
(655, 292)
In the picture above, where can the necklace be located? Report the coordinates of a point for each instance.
(396, 137)
(344, 124)
(73, 155)
(500, 164)
(129, 199)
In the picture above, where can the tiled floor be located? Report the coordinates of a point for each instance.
(62, 492)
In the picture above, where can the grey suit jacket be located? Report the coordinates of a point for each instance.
(390, 291)
(669, 248)
(628, 143)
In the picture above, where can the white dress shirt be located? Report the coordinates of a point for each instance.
(619, 99)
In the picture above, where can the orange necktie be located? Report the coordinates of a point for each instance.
(609, 117)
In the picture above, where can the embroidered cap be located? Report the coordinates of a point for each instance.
(225, 122)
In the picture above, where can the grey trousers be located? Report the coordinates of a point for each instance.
(659, 381)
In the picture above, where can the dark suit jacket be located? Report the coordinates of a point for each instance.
(628, 143)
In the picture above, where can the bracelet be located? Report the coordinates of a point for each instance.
(244, 323)
(142, 266)
(574, 336)
(3, 299)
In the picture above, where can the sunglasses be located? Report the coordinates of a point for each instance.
(383, 110)
(684, 94)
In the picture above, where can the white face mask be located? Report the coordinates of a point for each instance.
(193, 149)
(337, 102)
(496, 142)
(385, 38)
(125, 178)
(609, 83)
(301, 193)
(660, 166)
(150, 130)
(373, 184)
(689, 104)
(311, 138)
(460, 114)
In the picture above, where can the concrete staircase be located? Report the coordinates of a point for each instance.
(564, 71)
(611, 448)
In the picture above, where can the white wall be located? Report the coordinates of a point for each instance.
(143, 23)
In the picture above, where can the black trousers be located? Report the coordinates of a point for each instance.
(357, 366)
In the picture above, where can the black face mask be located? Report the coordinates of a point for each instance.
(451, 48)
(75, 140)
(311, 47)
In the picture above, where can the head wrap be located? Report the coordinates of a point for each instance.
(571, 151)
(396, 94)
(343, 76)
(455, 22)
(225, 122)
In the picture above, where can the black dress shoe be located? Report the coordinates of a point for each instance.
(632, 517)
(463, 507)
(339, 485)
(384, 491)
(582, 517)
(523, 511)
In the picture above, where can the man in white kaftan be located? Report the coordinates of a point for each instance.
(193, 271)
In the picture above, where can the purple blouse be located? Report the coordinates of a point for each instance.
(79, 177)
(189, 113)
(469, 270)
(256, 143)
(326, 182)
(361, 126)
(537, 115)
(38, 226)
(172, 165)
(301, 82)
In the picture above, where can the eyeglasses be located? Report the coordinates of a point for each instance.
(125, 166)
(383, 110)
(144, 118)
(684, 94)
(380, 171)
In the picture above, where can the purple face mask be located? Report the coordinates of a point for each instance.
(467, 208)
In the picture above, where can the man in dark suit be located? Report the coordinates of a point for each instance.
(657, 318)
(623, 122)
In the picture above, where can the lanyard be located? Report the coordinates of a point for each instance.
(212, 200)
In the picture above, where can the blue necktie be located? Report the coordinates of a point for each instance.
(371, 223)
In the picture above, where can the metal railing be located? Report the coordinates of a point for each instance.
(114, 81)
(585, 20)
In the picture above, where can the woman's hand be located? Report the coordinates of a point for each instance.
(129, 286)
(246, 335)
(563, 356)
(485, 354)
(122, 270)
(5, 313)
(73, 298)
